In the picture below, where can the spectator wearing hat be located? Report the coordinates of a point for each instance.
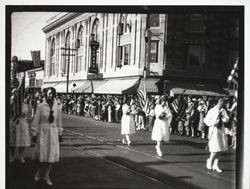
(162, 122)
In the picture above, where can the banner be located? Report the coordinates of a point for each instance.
(35, 55)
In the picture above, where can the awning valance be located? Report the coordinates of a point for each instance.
(118, 86)
(89, 86)
(46, 85)
(61, 87)
(194, 88)
(78, 84)
(151, 85)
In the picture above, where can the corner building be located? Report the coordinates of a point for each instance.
(109, 53)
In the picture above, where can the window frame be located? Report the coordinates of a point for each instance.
(156, 53)
(202, 56)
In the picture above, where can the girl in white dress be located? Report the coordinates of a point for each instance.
(47, 133)
(127, 122)
(22, 132)
(162, 122)
(216, 135)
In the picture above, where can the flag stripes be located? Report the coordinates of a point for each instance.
(174, 105)
(233, 77)
(143, 100)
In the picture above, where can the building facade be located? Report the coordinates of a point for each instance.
(109, 53)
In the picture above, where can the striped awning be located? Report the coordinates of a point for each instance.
(152, 85)
(89, 86)
(61, 87)
(74, 85)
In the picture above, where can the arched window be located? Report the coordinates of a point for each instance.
(95, 31)
(125, 23)
(67, 46)
(52, 57)
(79, 45)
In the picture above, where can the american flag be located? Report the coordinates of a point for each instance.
(143, 100)
(175, 104)
(233, 77)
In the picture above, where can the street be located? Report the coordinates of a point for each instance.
(93, 156)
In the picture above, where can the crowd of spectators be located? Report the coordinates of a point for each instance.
(188, 115)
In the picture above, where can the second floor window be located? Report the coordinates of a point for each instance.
(52, 65)
(196, 55)
(196, 23)
(154, 52)
(154, 20)
(124, 55)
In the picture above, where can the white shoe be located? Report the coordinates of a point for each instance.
(123, 141)
(158, 151)
(48, 182)
(209, 164)
(216, 167)
(129, 143)
(37, 176)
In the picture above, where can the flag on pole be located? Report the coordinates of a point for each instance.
(175, 104)
(143, 100)
(233, 77)
(19, 98)
(35, 55)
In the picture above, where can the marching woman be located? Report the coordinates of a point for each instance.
(217, 139)
(22, 132)
(47, 132)
(128, 121)
(162, 122)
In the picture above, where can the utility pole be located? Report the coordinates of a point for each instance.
(148, 44)
(68, 54)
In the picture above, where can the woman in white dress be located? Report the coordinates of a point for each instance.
(217, 139)
(127, 121)
(162, 122)
(47, 132)
(22, 132)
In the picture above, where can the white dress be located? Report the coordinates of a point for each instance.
(47, 133)
(127, 122)
(160, 130)
(217, 137)
(22, 128)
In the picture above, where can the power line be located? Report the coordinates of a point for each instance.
(28, 25)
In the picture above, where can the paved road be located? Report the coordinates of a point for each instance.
(92, 156)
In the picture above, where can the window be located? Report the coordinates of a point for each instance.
(66, 58)
(79, 42)
(79, 45)
(124, 55)
(154, 52)
(125, 24)
(154, 20)
(196, 23)
(95, 31)
(32, 82)
(127, 54)
(52, 58)
(196, 55)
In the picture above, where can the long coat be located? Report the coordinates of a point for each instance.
(47, 133)
(22, 128)
(216, 136)
(127, 122)
(160, 130)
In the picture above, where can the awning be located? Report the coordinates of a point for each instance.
(194, 88)
(152, 85)
(46, 85)
(78, 84)
(61, 87)
(118, 86)
(89, 86)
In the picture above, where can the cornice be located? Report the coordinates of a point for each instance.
(60, 21)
